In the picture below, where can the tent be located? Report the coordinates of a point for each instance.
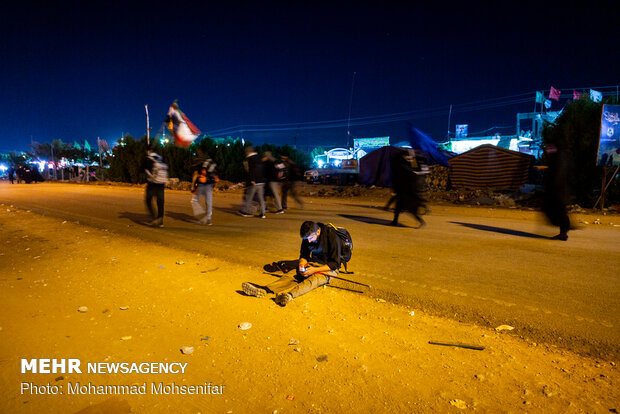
(374, 167)
(488, 166)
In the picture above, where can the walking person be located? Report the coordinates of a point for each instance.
(291, 176)
(406, 185)
(557, 191)
(11, 173)
(255, 183)
(271, 177)
(203, 180)
(157, 177)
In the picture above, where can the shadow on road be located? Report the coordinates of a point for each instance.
(181, 217)
(499, 230)
(138, 218)
(371, 220)
(229, 210)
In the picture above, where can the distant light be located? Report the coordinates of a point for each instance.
(320, 163)
(3, 168)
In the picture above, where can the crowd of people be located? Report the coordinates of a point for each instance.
(266, 178)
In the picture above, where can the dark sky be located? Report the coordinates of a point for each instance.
(82, 70)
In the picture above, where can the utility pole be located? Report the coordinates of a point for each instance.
(449, 116)
(148, 135)
(350, 102)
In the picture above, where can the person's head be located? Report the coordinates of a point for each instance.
(248, 150)
(310, 231)
(153, 148)
(267, 156)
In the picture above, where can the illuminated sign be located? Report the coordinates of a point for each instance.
(339, 153)
(461, 130)
(609, 143)
(377, 142)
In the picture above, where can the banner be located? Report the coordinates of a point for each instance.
(576, 95)
(609, 144)
(547, 104)
(596, 96)
(461, 130)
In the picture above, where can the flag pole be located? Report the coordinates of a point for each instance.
(100, 162)
(148, 140)
(449, 116)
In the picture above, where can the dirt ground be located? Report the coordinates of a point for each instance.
(72, 291)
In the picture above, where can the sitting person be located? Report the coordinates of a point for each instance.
(319, 261)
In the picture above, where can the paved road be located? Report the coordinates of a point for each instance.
(477, 265)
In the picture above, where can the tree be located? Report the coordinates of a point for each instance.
(577, 130)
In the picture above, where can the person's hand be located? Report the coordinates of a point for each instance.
(309, 271)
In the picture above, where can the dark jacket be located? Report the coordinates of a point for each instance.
(255, 169)
(326, 250)
(270, 171)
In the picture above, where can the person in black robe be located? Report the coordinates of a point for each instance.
(406, 183)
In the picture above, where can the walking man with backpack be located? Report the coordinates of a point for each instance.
(203, 180)
(322, 252)
(157, 177)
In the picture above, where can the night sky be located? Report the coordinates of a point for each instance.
(82, 70)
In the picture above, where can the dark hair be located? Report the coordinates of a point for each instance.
(308, 228)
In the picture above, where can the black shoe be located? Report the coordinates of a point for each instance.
(253, 290)
(243, 213)
(262, 216)
(561, 236)
(279, 211)
(271, 267)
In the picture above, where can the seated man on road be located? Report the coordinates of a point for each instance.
(319, 260)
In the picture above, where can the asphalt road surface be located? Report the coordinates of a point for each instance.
(487, 266)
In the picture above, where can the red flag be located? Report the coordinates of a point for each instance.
(182, 129)
(576, 95)
(554, 94)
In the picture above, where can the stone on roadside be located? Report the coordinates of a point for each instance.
(187, 350)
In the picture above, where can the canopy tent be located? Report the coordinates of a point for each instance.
(488, 166)
(375, 167)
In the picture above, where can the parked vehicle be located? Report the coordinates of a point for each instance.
(346, 174)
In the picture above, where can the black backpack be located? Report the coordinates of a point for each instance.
(346, 245)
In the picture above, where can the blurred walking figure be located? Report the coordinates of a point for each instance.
(291, 176)
(203, 180)
(255, 183)
(11, 173)
(407, 183)
(157, 177)
(557, 192)
(273, 182)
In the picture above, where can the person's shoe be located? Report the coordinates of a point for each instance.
(271, 267)
(283, 299)
(561, 236)
(279, 211)
(158, 222)
(253, 290)
(209, 223)
(243, 213)
(262, 216)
